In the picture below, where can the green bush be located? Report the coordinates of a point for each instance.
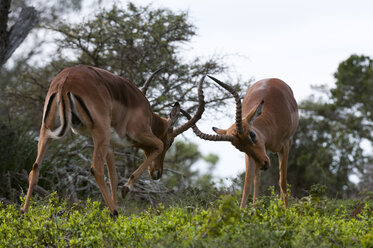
(51, 222)
(17, 153)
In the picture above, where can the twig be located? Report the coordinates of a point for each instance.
(174, 171)
(72, 188)
(151, 191)
(38, 189)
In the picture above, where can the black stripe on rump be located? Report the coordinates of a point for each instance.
(80, 100)
(63, 130)
(75, 120)
(48, 107)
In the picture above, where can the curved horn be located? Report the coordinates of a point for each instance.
(238, 103)
(147, 82)
(197, 116)
(212, 137)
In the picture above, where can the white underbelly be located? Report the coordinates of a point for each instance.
(116, 140)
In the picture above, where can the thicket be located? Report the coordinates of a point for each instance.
(313, 221)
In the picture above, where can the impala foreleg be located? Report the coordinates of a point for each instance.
(256, 183)
(113, 176)
(250, 167)
(157, 147)
(34, 174)
(283, 156)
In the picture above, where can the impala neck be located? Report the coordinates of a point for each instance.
(159, 126)
(266, 129)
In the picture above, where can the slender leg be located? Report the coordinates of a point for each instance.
(113, 176)
(250, 165)
(44, 140)
(283, 156)
(256, 183)
(101, 140)
(43, 144)
(157, 145)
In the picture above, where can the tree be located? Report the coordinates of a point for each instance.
(11, 38)
(353, 98)
(136, 41)
(352, 95)
(14, 145)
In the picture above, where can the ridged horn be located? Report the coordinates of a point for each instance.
(212, 137)
(147, 82)
(238, 103)
(197, 116)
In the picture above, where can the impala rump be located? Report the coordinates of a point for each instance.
(62, 114)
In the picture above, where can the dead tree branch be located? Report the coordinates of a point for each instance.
(12, 38)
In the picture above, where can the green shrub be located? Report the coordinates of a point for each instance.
(17, 152)
(52, 222)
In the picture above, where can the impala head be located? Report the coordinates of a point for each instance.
(250, 139)
(243, 135)
(165, 130)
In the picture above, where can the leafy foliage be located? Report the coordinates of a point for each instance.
(306, 223)
(354, 89)
(17, 148)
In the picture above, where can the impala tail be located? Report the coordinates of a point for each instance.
(61, 113)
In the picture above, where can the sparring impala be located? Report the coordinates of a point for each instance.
(114, 112)
(270, 118)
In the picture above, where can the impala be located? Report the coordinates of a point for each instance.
(270, 120)
(113, 111)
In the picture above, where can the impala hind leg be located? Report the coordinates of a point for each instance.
(101, 140)
(250, 169)
(157, 147)
(43, 144)
(283, 156)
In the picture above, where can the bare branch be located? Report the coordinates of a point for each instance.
(16, 35)
(38, 189)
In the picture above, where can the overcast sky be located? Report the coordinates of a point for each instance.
(300, 42)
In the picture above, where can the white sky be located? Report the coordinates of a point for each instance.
(300, 42)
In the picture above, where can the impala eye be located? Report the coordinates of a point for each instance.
(252, 136)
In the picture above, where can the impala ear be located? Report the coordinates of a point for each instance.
(219, 131)
(254, 113)
(174, 115)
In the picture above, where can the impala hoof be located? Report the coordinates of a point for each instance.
(114, 214)
(125, 191)
(155, 175)
(265, 166)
